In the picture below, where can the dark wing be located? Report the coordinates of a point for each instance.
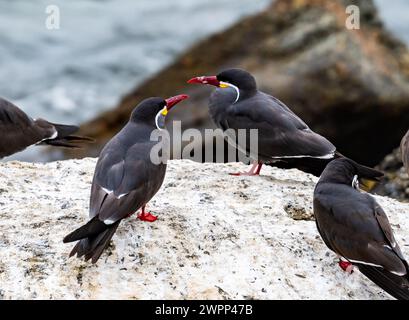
(354, 226)
(404, 149)
(386, 228)
(280, 132)
(11, 116)
(124, 181)
(18, 131)
(60, 135)
(397, 286)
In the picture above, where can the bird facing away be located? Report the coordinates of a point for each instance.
(284, 140)
(355, 227)
(19, 131)
(404, 149)
(125, 178)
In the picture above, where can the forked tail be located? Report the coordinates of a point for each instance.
(93, 238)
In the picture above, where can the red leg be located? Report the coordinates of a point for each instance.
(254, 171)
(146, 216)
(260, 164)
(346, 266)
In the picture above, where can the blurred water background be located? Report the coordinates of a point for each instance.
(105, 48)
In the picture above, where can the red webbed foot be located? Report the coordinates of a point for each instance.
(146, 216)
(237, 174)
(346, 266)
(254, 171)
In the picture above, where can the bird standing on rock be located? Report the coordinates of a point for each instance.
(284, 140)
(125, 178)
(18, 131)
(355, 227)
(404, 149)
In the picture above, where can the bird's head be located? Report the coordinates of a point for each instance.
(339, 171)
(347, 171)
(242, 81)
(154, 110)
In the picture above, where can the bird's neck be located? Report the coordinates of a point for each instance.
(239, 94)
(247, 93)
(336, 176)
(143, 127)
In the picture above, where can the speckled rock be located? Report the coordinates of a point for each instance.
(217, 237)
(298, 210)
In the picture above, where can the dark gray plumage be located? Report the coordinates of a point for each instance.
(404, 149)
(281, 132)
(18, 131)
(125, 178)
(353, 225)
(284, 140)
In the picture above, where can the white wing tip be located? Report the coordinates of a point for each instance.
(107, 191)
(327, 156)
(109, 221)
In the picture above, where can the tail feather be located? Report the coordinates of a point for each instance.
(75, 249)
(100, 245)
(65, 137)
(316, 166)
(64, 129)
(61, 143)
(94, 238)
(396, 286)
(78, 138)
(92, 228)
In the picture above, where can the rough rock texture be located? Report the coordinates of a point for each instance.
(217, 236)
(352, 86)
(396, 181)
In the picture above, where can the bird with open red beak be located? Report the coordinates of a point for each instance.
(125, 178)
(284, 140)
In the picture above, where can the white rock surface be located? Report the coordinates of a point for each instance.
(217, 237)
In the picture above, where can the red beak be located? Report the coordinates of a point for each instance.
(170, 102)
(212, 80)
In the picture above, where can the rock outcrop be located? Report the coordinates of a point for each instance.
(352, 86)
(395, 184)
(217, 237)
